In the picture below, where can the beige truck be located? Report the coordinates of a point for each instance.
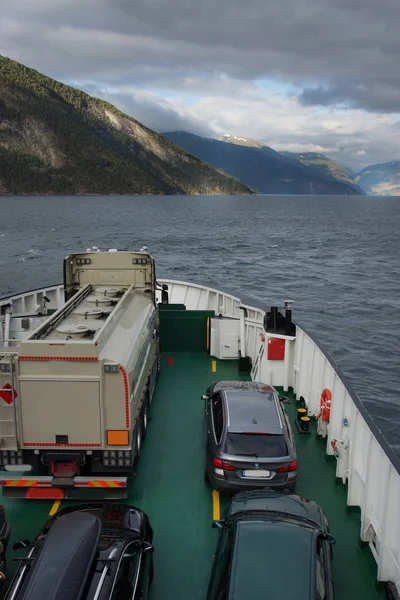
(75, 394)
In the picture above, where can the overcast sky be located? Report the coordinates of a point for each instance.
(300, 75)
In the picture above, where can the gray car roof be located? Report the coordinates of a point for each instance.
(251, 411)
(243, 385)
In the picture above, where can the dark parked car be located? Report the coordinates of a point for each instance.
(272, 545)
(86, 552)
(4, 539)
(250, 442)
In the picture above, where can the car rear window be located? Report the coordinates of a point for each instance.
(256, 444)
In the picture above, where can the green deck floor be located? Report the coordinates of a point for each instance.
(169, 486)
(170, 483)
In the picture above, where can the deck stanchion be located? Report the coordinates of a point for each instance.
(305, 423)
(301, 412)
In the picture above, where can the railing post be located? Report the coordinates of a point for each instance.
(7, 327)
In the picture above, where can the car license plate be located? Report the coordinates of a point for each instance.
(259, 473)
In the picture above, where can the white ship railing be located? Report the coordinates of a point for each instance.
(32, 302)
(366, 461)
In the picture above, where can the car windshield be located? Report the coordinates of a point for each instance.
(257, 444)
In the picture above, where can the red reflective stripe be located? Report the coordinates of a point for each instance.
(97, 484)
(82, 358)
(126, 386)
(42, 444)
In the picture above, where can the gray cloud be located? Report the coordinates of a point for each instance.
(297, 40)
(379, 96)
(336, 54)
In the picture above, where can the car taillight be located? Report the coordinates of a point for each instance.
(220, 464)
(291, 467)
(228, 467)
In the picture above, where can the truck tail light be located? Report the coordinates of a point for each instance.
(120, 458)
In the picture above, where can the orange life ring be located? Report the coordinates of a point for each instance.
(325, 405)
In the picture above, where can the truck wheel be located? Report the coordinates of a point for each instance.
(139, 439)
(144, 419)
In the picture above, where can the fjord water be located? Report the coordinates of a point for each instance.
(338, 258)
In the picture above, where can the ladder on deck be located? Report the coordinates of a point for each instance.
(8, 410)
(256, 365)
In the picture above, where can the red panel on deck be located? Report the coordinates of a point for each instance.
(276, 349)
(45, 494)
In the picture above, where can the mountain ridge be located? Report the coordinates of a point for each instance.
(326, 165)
(381, 179)
(260, 167)
(56, 139)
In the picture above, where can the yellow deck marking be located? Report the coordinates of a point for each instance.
(216, 507)
(54, 508)
(214, 366)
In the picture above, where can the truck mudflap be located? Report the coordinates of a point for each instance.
(56, 488)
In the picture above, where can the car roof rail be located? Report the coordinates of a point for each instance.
(27, 560)
(107, 561)
(64, 560)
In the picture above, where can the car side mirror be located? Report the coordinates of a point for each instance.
(21, 544)
(330, 538)
(147, 547)
(284, 400)
(205, 397)
(218, 524)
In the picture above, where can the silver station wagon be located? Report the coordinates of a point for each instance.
(250, 442)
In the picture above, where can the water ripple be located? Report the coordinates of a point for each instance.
(337, 258)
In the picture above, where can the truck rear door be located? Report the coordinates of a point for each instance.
(60, 412)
